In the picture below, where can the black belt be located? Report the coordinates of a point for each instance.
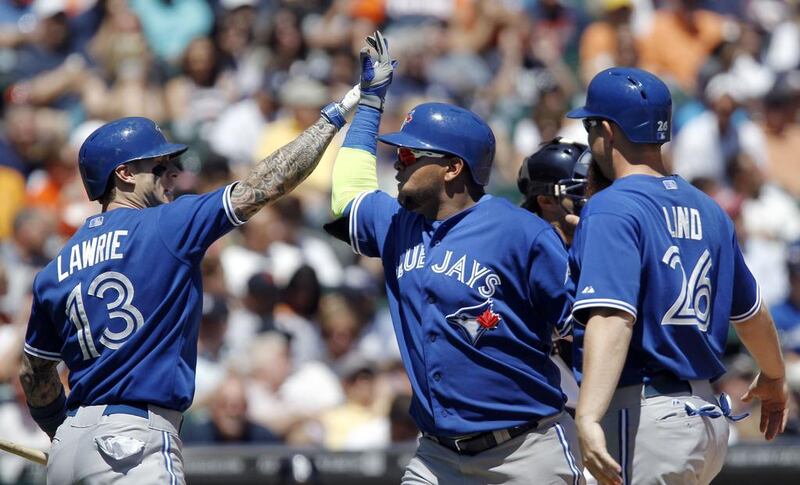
(663, 383)
(474, 444)
(139, 410)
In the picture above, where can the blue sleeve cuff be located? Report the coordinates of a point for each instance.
(363, 132)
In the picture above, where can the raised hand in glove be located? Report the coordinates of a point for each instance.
(376, 71)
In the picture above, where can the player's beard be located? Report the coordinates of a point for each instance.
(414, 199)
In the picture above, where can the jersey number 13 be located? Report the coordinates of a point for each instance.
(693, 305)
(121, 307)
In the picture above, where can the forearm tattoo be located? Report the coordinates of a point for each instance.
(40, 381)
(282, 171)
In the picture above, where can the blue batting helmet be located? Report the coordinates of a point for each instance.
(637, 101)
(122, 141)
(444, 128)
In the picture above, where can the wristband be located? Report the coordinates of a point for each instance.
(50, 417)
(333, 113)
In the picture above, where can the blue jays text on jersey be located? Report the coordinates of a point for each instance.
(676, 267)
(473, 316)
(120, 304)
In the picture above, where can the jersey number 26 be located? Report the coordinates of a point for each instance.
(693, 305)
(121, 307)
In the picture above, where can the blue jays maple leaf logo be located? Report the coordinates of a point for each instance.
(476, 320)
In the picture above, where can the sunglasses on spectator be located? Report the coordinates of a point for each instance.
(409, 156)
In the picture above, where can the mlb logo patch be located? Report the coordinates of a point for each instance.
(670, 185)
(96, 221)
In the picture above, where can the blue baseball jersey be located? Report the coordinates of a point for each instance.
(663, 251)
(474, 300)
(121, 303)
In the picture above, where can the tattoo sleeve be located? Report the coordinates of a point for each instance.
(40, 381)
(282, 171)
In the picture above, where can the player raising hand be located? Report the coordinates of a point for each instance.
(120, 305)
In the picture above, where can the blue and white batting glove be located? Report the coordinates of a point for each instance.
(337, 113)
(376, 72)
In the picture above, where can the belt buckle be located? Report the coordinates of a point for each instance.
(457, 441)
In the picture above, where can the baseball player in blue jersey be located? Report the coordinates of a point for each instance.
(120, 305)
(659, 276)
(475, 288)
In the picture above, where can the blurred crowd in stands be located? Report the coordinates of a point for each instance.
(296, 345)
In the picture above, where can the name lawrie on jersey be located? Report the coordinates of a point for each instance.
(90, 252)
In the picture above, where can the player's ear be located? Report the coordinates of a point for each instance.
(124, 173)
(455, 167)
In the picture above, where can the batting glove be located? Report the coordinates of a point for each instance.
(337, 113)
(376, 72)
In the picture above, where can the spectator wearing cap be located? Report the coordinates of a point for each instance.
(708, 143)
(301, 99)
(787, 313)
(227, 422)
(359, 422)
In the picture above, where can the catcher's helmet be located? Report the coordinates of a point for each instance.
(558, 168)
(637, 101)
(444, 128)
(553, 161)
(122, 141)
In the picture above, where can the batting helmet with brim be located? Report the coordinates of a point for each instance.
(636, 100)
(118, 142)
(444, 128)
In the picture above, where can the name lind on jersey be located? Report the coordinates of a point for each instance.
(90, 252)
(683, 222)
